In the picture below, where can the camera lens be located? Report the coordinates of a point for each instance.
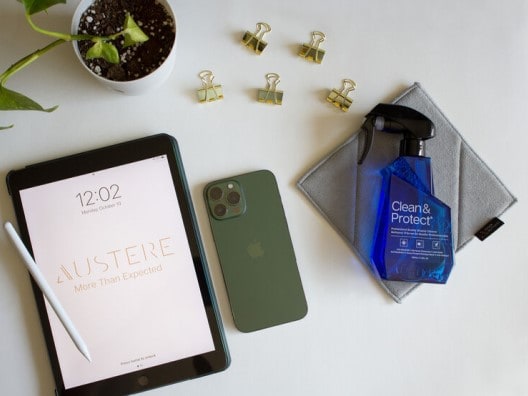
(233, 197)
(220, 210)
(215, 193)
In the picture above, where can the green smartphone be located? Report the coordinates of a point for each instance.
(255, 250)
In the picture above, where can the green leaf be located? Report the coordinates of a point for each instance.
(34, 6)
(132, 32)
(102, 49)
(11, 100)
(6, 127)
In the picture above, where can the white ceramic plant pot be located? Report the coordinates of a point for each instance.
(140, 85)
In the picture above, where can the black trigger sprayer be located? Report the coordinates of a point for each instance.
(390, 118)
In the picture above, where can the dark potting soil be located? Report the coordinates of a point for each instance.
(106, 17)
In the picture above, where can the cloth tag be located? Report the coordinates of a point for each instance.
(490, 227)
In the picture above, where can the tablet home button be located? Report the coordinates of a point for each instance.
(143, 380)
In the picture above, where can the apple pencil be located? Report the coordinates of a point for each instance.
(47, 290)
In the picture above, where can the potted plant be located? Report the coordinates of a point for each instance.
(134, 66)
(106, 47)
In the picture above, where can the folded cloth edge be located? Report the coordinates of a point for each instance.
(467, 147)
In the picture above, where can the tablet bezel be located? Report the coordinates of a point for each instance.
(97, 160)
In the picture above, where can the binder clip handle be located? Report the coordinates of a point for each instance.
(207, 78)
(348, 86)
(272, 80)
(262, 29)
(317, 38)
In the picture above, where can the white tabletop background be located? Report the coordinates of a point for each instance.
(469, 337)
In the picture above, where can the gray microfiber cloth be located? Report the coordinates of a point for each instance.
(347, 193)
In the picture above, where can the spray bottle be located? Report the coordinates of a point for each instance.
(412, 240)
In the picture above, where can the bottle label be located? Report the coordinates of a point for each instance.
(418, 234)
(409, 213)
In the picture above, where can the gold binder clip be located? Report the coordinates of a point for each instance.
(270, 93)
(339, 98)
(254, 40)
(209, 92)
(311, 51)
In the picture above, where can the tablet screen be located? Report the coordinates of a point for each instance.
(113, 246)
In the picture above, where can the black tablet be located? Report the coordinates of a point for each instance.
(114, 233)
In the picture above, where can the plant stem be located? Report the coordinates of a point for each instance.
(27, 60)
(58, 35)
(69, 37)
(61, 38)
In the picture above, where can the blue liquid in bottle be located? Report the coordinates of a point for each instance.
(412, 240)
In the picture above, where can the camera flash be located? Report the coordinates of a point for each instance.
(230, 186)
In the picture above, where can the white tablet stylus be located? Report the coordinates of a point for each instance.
(46, 290)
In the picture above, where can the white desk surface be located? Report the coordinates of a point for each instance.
(469, 337)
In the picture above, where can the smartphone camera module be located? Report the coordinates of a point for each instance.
(226, 200)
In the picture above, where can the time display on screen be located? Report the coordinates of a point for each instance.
(98, 195)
